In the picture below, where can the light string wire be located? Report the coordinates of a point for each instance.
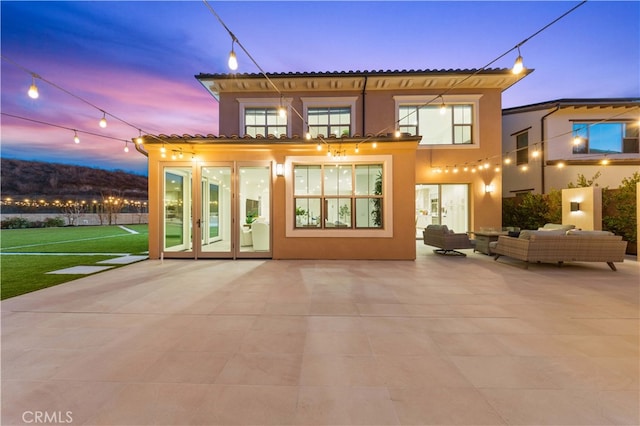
(62, 89)
(64, 127)
(440, 95)
(476, 72)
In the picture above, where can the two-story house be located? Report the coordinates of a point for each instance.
(546, 145)
(330, 165)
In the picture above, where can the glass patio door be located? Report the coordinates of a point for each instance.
(177, 212)
(254, 210)
(217, 210)
(214, 222)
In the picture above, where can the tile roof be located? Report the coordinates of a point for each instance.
(358, 73)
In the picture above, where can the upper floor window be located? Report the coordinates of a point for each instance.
(452, 123)
(330, 116)
(605, 138)
(264, 121)
(522, 148)
(338, 196)
(328, 121)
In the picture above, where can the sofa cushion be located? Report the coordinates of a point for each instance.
(553, 226)
(588, 233)
(528, 233)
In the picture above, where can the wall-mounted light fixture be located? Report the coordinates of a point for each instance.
(279, 169)
(575, 206)
(488, 189)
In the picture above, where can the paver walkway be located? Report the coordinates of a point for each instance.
(436, 341)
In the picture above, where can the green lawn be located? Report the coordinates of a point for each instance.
(26, 273)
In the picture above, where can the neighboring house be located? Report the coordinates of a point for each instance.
(356, 167)
(548, 144)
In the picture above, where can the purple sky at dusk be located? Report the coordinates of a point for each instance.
(137, 60)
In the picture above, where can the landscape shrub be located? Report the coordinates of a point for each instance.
(15, 223)
(53, 222)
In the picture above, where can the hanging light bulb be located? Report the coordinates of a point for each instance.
(605, 161)
(577, 140)
(126, 146)
(319, 147)
(282, 112)
(233, 60)
(173, 155)
(180, 154)
(375, 144)
(507, 160)
(455, 169)
(560, 164)
(357, 149)
(443, 107)
(518, 66)
(103, 120)
(76, 139)
(535, 153)
(33, 89)
(139, 138)
(397, 133)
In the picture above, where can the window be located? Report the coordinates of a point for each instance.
(264, 121)
(451, 125)
(522, 148)
(329, 121)
(452, 122)
(605, 138)
(338, 196)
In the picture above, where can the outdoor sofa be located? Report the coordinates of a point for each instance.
(559, 246)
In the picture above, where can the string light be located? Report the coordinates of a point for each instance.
(103, 120)
(518, 66)
(139, 138)
(76, 138)
(357, 149)
(126, 146)
(33, 89)
(233, 59)
(443, 107)
(319, 146)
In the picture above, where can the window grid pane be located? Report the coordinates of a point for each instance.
(350, 197)
(454, 126)
(264, 121)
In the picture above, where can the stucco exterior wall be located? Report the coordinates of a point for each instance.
(400, 246)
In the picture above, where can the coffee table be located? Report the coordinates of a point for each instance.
(484, 238)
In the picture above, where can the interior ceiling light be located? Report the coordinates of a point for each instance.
(33, 89)
(103, 120)
(518, 66)
(233, 59)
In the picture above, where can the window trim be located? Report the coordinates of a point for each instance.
(244, 103)
(472, 99)
(387, 205)
(331, 102)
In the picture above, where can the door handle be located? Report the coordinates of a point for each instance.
(198, 222)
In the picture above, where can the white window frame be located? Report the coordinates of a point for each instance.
(469, 99)
(244, 103)
(387, 196)
(328, 102)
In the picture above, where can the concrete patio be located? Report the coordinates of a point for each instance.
(441, 340)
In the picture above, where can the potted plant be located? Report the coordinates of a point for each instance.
(300, 214)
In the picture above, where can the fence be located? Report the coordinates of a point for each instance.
(83, 219)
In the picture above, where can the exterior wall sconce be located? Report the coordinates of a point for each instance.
(279, 169)
(575, 206)
(488, 189)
